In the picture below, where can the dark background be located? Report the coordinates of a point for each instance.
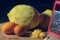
(7, 5)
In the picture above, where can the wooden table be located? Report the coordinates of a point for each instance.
(13, 37)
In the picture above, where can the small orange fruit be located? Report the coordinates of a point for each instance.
(20, 30)
(8, 27)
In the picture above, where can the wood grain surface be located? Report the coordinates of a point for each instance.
(13, 37)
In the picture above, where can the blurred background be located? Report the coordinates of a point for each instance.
(7, 5)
